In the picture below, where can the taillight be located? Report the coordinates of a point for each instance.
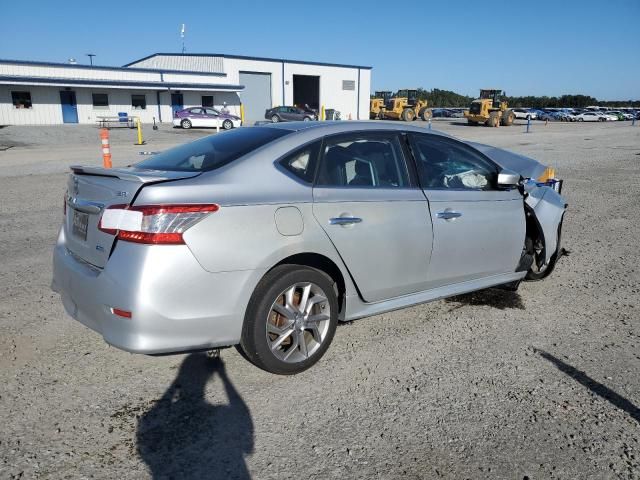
(153, 224)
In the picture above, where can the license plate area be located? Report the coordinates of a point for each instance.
(79, 225)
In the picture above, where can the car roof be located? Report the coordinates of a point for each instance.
(333, 126)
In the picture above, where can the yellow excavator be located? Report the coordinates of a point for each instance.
(406, 106)
(378, 104)
(490, 109)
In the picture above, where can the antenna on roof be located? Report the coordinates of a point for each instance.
(184, 49)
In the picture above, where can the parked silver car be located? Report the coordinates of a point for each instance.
(265, 237)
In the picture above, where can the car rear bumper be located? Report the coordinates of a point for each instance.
(176, 305)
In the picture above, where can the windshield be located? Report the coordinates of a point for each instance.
(213, 151)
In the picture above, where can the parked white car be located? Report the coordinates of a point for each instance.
(524, 113)
(590, 117)
(610, 117)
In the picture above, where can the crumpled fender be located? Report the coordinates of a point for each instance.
(548, 207)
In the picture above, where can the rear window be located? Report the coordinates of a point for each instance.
(213, 151)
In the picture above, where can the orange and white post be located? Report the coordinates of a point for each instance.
(106, 149)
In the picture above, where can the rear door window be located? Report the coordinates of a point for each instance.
(213, 151)
(373, 160)
(302, 163)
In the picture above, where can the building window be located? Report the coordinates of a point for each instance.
(100, 100)
(21, 99)
(139, 102)
(207, 100)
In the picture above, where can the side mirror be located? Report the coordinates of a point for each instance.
(508, 178)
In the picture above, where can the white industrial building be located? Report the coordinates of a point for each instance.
(38, 93)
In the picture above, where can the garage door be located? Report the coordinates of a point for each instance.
(256, 96)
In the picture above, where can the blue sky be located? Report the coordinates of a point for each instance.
(522, 46)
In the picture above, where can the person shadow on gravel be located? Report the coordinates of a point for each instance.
(183, 436)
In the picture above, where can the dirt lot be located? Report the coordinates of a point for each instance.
(542, 383)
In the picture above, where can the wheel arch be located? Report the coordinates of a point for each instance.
(325, 265)
(546, 208)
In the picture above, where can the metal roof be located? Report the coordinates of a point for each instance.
(97, 83)
(104, 67)
(242, 57)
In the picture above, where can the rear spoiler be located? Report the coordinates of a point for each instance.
(132, 174)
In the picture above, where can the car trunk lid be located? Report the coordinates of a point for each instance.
(92, 189)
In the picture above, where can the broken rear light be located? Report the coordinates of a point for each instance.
(153, 224)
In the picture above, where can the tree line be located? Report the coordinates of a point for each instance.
(446, 98)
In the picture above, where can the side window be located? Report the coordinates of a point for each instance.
(211, 111)
(196, 111)
(282, 109)
(207, 100)
(21, 99)
(302, 163)
(139, 102)
(447, 164)
(363, 160)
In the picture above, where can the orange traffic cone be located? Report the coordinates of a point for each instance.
(106, 149)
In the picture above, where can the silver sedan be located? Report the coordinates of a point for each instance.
(265, 237)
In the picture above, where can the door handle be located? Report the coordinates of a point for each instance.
(448, 215)
(344, 220)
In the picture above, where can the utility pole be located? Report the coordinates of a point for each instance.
(91, 55)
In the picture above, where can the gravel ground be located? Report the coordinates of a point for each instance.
(542, 383)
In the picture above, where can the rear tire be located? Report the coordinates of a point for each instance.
(291, 320)
(186, 124)
(275, 119)
(425, 114)
(227, 125)
(494, 119)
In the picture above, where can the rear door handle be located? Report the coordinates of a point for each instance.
(448, 215)
(344, 220)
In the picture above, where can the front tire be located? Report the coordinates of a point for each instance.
(541, 270)
(186, 124)
(408, 115)
(291, 320)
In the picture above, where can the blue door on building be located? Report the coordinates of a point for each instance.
(177, 103)
(69, 106)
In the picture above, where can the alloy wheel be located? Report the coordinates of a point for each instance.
(298, 322)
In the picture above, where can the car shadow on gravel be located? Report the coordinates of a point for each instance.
(492, 297)
(594, 386)
(184, 436)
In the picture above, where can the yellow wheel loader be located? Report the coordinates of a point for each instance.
(406, 106)
(490, 109)
(377, 104)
